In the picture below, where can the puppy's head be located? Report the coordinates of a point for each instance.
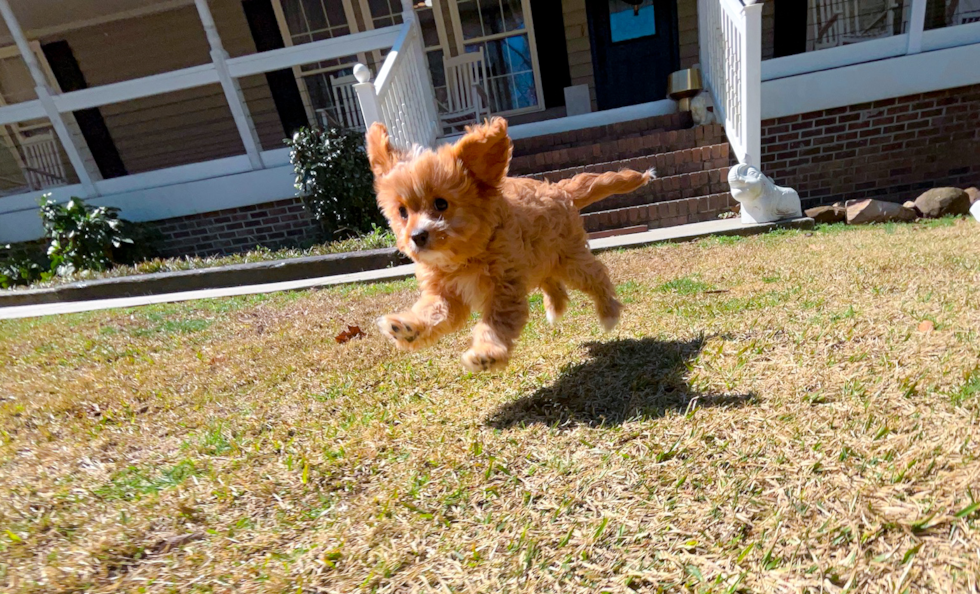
(442, 205)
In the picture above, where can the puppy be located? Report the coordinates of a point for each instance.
(482, 241)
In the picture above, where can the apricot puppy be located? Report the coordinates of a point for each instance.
(482, 241)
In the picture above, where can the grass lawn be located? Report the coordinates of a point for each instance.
(771, 415)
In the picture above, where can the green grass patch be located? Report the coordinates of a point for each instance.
(969, 390)
(132, 483)
(687, 285)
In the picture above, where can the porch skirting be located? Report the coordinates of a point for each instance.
(889, 150)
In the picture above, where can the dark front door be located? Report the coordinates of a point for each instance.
(634, 50)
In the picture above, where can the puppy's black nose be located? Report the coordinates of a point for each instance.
(420, 238)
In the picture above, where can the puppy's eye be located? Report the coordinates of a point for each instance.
(403, 212)
(440, 204)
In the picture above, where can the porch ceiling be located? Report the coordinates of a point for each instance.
(39, 18)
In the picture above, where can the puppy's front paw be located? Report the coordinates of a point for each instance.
(485, 358)
(403, 331)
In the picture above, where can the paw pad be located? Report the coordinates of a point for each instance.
(401, 333)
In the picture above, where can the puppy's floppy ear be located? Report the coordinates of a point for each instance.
(380, 154)
(485, 150)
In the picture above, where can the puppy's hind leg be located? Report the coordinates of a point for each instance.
(587, 274)
(555, 299)
(503, 319)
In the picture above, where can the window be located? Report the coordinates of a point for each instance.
(316, 20)
(305, 21)
(385, 13)
(501, 30)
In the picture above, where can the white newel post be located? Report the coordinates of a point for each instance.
(366, 95)
(752, 81)
(731, 61)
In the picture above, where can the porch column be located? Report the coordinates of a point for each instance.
(917, 22)
(233, 91)
(44, 95)
(752, 81)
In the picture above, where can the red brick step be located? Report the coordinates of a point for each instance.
(618, 150)
(589, 136)
(663, 214)
(666, 164)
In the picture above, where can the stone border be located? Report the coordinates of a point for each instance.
(253, 273)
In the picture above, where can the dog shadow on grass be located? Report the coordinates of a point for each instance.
(620, 381)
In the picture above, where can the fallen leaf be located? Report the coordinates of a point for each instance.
(350, 333)
(926, 326)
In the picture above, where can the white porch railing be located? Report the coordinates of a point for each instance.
(402, 97)
(42, 162)
(731, 65)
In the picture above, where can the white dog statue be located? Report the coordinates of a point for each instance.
(702, 109)
(762, 201)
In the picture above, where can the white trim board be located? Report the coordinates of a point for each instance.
(868, 51)
(873, 81)
(218, 191)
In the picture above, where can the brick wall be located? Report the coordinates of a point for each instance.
(274, 224)
(889, 150)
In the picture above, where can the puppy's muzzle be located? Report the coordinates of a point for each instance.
(420, 238)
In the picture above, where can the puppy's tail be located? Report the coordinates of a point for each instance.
(588, 188)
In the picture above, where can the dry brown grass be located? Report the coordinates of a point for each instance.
(767, 418)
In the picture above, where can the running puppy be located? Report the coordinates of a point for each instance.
(482, 241)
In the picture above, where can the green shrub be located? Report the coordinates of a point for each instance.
(82, 237)
(23, 268)
(146, 240)
(334, 179)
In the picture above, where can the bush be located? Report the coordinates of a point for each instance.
(82, 237)
(23, 269)
(146, 240)
(334, 179)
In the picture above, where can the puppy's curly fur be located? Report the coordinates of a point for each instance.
(483, 241)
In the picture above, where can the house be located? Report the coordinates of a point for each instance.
(175, 110)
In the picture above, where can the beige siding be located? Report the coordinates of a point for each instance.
(687, 32)
(578, 45)
(237, 40)
(185, 126)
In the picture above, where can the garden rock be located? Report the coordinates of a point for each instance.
(827, 214)
(974, 194)
(862, 212)
(911, 206)
(939, 202)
